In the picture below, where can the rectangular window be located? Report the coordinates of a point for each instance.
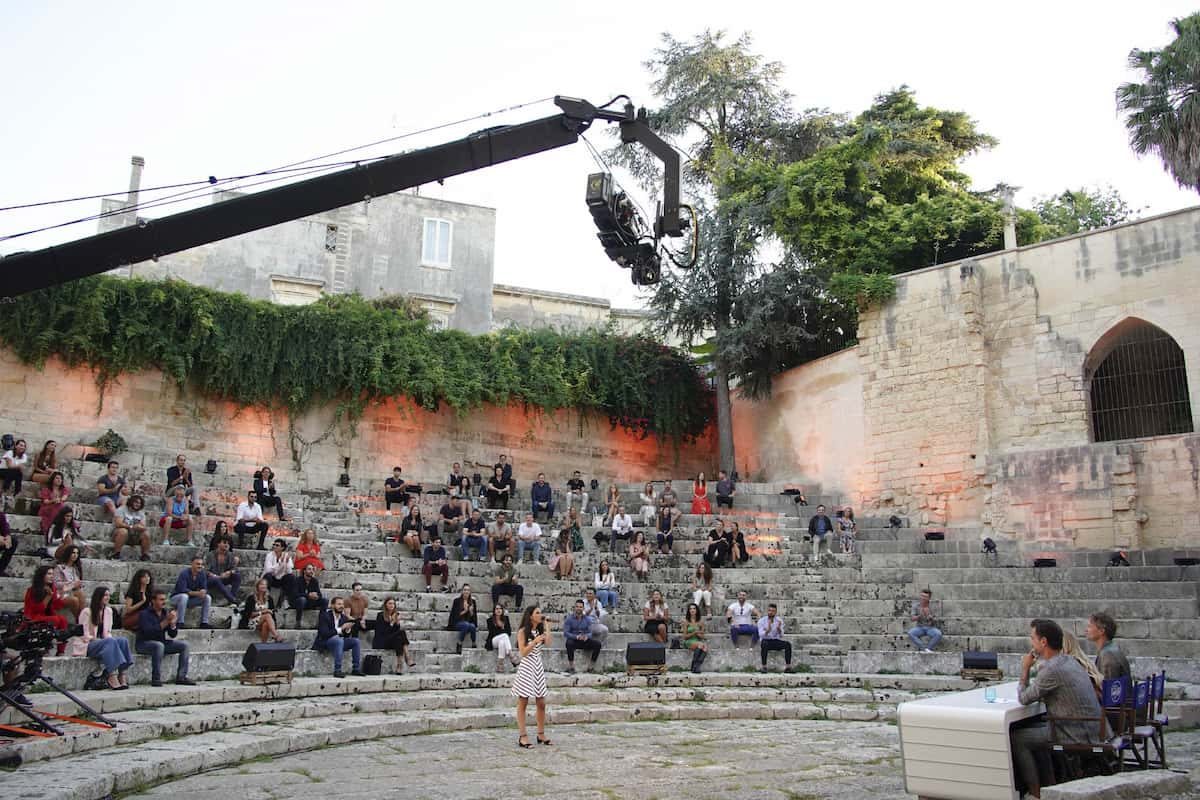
(331, 238)
(435, 250)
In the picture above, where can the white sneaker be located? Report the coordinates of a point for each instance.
(927, 650)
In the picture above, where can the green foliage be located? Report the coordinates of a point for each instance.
(111, 443)
(862, 290)
(349, 351)
(1075, 211)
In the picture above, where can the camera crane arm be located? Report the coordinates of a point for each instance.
(21, 273)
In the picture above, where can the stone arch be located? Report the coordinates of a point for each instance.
(1137, 385)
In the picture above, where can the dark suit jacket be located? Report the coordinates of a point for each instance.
(328, 627)
(260, 488)
(149, 627)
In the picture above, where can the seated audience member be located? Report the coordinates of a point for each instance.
(467, 499)
(499, 637)
(308, 551)
(336, 633)
(220, 533)
(53, 496)
(223, 574)
(649, 509)
(501, 540)
(847, 527)
(357, 606)
(542, 497)
(668, 499)
(258, 614)
(702, 588)
(700, 502)
(156, 632)
(191, 589)
(68, 579)
(1112, 663)
(176, 516)
(390, 634)
(413, 530)
(504, 582)
(664, 534)
(717, 550)
(622, 528)
(612, 503)
(575, 525)
(42, 603)
(474, 538)
(738, 552)
(576, 492)
(606, 584)
(96, 640)
(8, 545)
(45, 464)
(529, 537)
(726, 490)
(65, 531)
(820, 528)
(770, 637)
(279, 570)
(309, 593)
(450, 518)
(506, 472)
(1071, 648)
(577, 634)
(249, 520)
(137, 597)
(639, 555)
(562, 564)
(924, 624)
(454, 482)
(694, 636)
(12, 467)
(268, 496)
(656, 617)
(130, 523)
(108, 489)
(497, 489)
(464, 617)
(181, 475)
(435, 563)
(1063, 685)
(595, 609)
(394, 490)
(742, 617)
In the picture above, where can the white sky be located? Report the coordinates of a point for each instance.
(226, 88)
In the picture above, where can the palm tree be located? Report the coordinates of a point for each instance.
(1163, 113)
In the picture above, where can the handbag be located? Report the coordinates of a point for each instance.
(372, 664)
(553, 561)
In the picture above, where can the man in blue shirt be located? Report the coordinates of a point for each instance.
(819, 527)
(156, 634)
(543, 497)
(474, 537)
(577, 631)
(191, 589)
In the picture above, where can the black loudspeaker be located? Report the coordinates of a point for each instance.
(1187, 562)
(261, 657)
(645, 654)
(1045, 562)
(976, 659)
(935, 536)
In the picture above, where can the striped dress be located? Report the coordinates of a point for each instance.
(530, 680)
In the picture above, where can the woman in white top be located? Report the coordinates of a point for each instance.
(605, 584)
(656, 616)
(98, 642)
(68, 579)
(12, 466)
(702, 588)
(649, 504)
(129, 522)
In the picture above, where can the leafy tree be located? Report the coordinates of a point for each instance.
(1163, 111)
(1078, 210)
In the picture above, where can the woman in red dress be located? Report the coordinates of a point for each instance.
(42, 603)
(308, 552)
(700, 504)
(53, 497)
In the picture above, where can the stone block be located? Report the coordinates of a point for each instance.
(1149, 785)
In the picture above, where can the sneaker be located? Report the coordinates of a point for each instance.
(145, 558)
(338, 674)
(184, 681)
(156, 682)
(927, 650)
(358, 673)
(204, 626)
(19, 698)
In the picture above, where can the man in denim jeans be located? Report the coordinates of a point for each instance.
(922, 616)
(156, 626)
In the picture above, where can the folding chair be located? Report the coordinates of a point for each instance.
(1109, 741)
(1141, 731)
(1158, 715)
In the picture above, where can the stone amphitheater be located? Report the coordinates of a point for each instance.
(846, 617)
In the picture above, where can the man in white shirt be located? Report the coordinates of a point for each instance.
(12, 464)
(529, 535)
(249, 519)
(279, 571)
(770, 635)
(622, 528)
(742, 616)
(595, 609)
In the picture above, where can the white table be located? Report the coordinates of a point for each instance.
(956, 746)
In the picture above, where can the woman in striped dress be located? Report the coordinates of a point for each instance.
(530, 681)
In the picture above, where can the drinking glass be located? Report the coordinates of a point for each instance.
(989, 694)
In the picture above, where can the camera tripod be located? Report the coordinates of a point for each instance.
(40, 721)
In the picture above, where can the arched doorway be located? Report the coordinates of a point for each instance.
(1137, 384)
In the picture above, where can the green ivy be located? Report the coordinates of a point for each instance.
(352, 351)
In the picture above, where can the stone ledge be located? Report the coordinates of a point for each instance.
(1149, 785)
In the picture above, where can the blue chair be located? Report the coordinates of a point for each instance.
(1110, 740)
(1158, 716)
(1141, 731)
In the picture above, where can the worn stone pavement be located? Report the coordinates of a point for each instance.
(757, 760)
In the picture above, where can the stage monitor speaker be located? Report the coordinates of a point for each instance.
(645, 654)
(1045, 562)
(1187, 562)
(935, 536)
(977, 659)
(270, 656)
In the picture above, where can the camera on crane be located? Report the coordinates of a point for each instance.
(623, 233)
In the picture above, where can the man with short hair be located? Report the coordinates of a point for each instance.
(500, 538)
(309, 593)
(595, 609)
(668, 499)
(279, 570)
(1112, 663)
(576, 493)
(742, 617)
(454, 481)
(925, 623)
(622, 528)
(542, 497)
(180, 475)
(1066, 689)
(450, 518)
(577, 632)
(394, 490)
(474, 537)
(506, 474)
(108, 488)
(820, 527)
(770, 637)
(176, 517)
(335, 633)
(157, 629)
(191, 589)
(725, 490)
(434, 562)
(505, 582)
(529, 536)
(249, 519)
(222, 567)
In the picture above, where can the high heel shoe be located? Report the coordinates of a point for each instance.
(524, 742)
(544, 740)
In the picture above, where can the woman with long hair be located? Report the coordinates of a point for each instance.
(562, 564)
(65, 531)
(499, 637)
(739, 552)
(656, 616)
(137, 597)
(530, 681)
(308, 551)
(605, 584)
(129, 522)
(412, 530)
(702, 587)
(847, 527)
(42, 602)
(717, 550)
(612, 501)
(220, 531)
(464, 616)
(639, 555)
(68, 579)
(258, 614)
(665, 535)
(97, 641)
(53, 496)
(649, 507)
(46, 463)
(694, 636)
(12, 466)
(700, 502)
(390, 633)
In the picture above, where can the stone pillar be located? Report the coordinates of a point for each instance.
(135, 185)
(1010, 219)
